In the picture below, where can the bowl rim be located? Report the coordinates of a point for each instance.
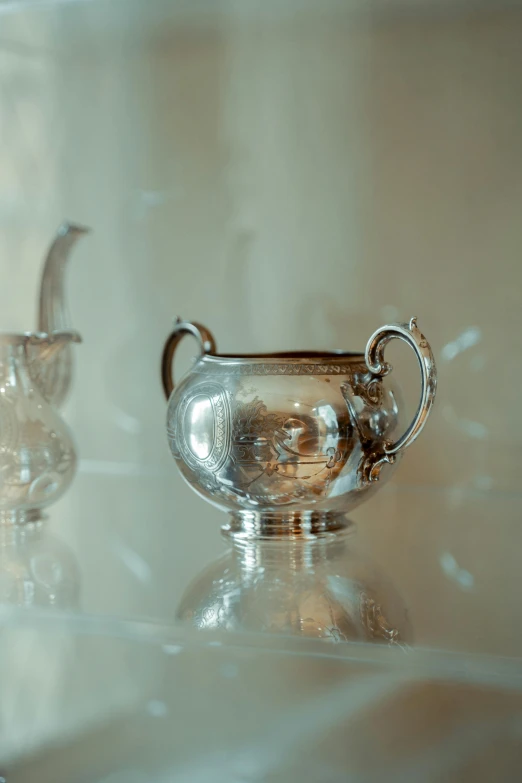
(291, 357)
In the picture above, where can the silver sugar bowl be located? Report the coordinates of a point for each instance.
(290, 442)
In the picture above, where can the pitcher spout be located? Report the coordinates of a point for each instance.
(53, 314)
(53, 361)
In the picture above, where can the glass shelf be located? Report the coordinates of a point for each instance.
(110, 700)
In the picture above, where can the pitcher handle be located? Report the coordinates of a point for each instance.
(181, 328)
(411, 334)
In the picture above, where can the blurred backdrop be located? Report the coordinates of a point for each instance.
(292, 176)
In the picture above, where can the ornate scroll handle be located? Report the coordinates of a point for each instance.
(412, 335)
(181, 328)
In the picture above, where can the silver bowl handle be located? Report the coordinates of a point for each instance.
(181, 328)
(411, 334)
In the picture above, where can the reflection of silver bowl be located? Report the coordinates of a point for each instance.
(321, 588)
(289, 434)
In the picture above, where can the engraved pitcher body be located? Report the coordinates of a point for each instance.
(37, 455)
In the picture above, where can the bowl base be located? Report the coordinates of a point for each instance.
(284, 524)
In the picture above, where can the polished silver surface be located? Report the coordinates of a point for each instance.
(275, 437)
(37, 455)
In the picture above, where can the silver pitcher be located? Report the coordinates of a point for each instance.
(289, 442)
(37, 455)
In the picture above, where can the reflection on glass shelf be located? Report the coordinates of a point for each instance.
(452, 557)
(36, 568)
(321, 588)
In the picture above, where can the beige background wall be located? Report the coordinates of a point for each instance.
(291, 183)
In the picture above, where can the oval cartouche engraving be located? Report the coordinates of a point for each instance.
(199, 426)
(203, 427)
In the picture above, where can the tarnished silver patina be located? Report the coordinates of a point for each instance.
(290, 441)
